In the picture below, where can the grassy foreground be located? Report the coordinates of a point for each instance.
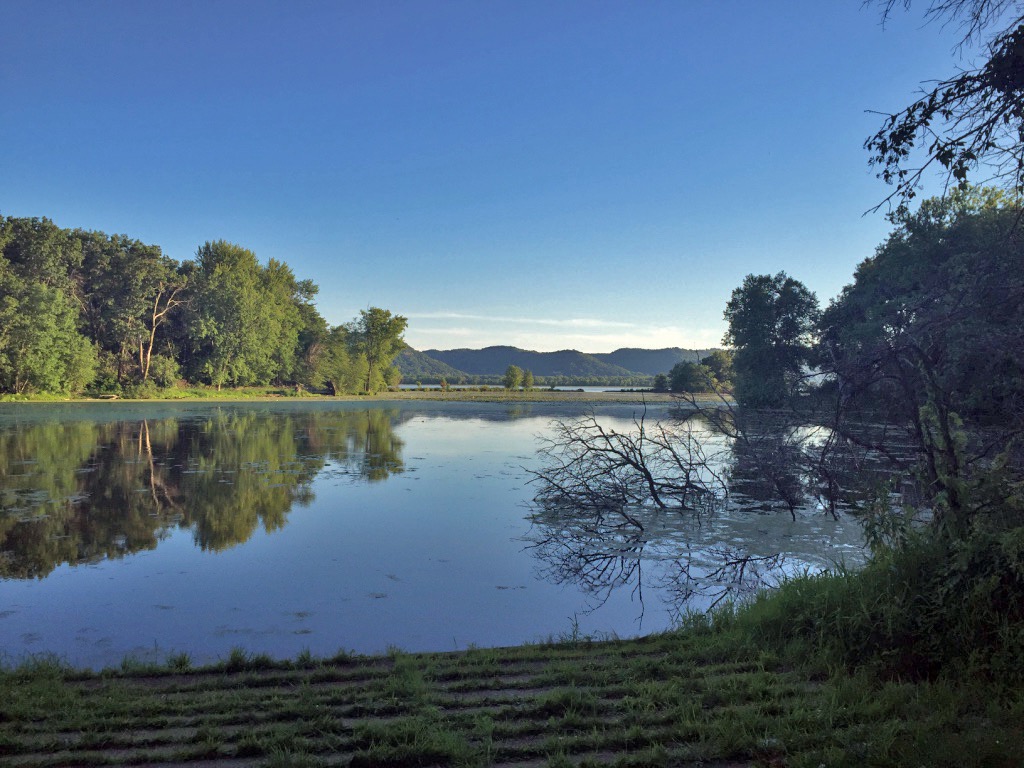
(719, 695)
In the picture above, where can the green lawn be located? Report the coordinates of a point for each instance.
(698, 696)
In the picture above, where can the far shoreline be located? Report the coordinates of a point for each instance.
(431, 395)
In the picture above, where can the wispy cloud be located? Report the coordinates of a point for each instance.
(570, 322)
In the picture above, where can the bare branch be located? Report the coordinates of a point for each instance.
(586, 466)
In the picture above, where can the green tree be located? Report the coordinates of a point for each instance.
(377, 337)
(513, 377)
(771, 330)
(340, 366)
(129, 291)
(41, 349)
(40, 252)
(929, 333)
(392, 377)
(660, 383)
(690, 377)
(278, 287)
(234, 326)
(289, 311)
(719, 362)
(312, 339)
(527, 379)
(246, 324)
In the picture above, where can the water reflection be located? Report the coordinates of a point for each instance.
(693, 563)
(773, 461)
(412, 536)
(81, 491)
(691, 505)
(778, 463)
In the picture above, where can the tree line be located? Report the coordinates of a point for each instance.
(919, 362)
(83, 310)
(928, 336)
(498, 380)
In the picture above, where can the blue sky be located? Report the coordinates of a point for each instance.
(551, 175)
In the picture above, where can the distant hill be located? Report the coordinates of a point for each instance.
(650, 361)
(416, 365)
(491, 361)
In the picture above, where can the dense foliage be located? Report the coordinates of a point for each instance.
(513, 377)
(929, 334)
(922, 354)
(926, 337)
(89, 311)
(771, 323)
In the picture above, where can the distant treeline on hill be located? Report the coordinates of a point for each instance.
(623, 367)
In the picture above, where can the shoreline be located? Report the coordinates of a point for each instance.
(707, 693)
(496, 396)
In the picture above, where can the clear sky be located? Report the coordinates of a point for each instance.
(550, 175)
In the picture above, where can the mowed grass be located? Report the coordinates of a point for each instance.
(703, 695)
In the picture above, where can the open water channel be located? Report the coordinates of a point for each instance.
(146, 529)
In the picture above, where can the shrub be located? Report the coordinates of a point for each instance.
(934, 607)
(164, 371)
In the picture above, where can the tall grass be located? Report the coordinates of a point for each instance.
(934, 607)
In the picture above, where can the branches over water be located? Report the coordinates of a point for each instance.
(678, 504)
(602, 499)
(605, 552)
(587, 466)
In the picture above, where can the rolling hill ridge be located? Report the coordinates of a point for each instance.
(492, 361)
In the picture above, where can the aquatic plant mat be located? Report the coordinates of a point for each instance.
(697, 697)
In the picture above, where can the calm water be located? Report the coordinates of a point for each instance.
(412, 387)
(146, 529)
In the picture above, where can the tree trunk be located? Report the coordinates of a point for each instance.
(149, 352)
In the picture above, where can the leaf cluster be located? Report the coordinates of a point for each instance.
(969, 122)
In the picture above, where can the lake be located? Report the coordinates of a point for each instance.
(148, 528)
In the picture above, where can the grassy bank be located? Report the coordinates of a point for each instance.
(740, 691)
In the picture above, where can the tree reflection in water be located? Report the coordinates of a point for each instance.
(76, 492)
(605, 551)
(659, 505)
